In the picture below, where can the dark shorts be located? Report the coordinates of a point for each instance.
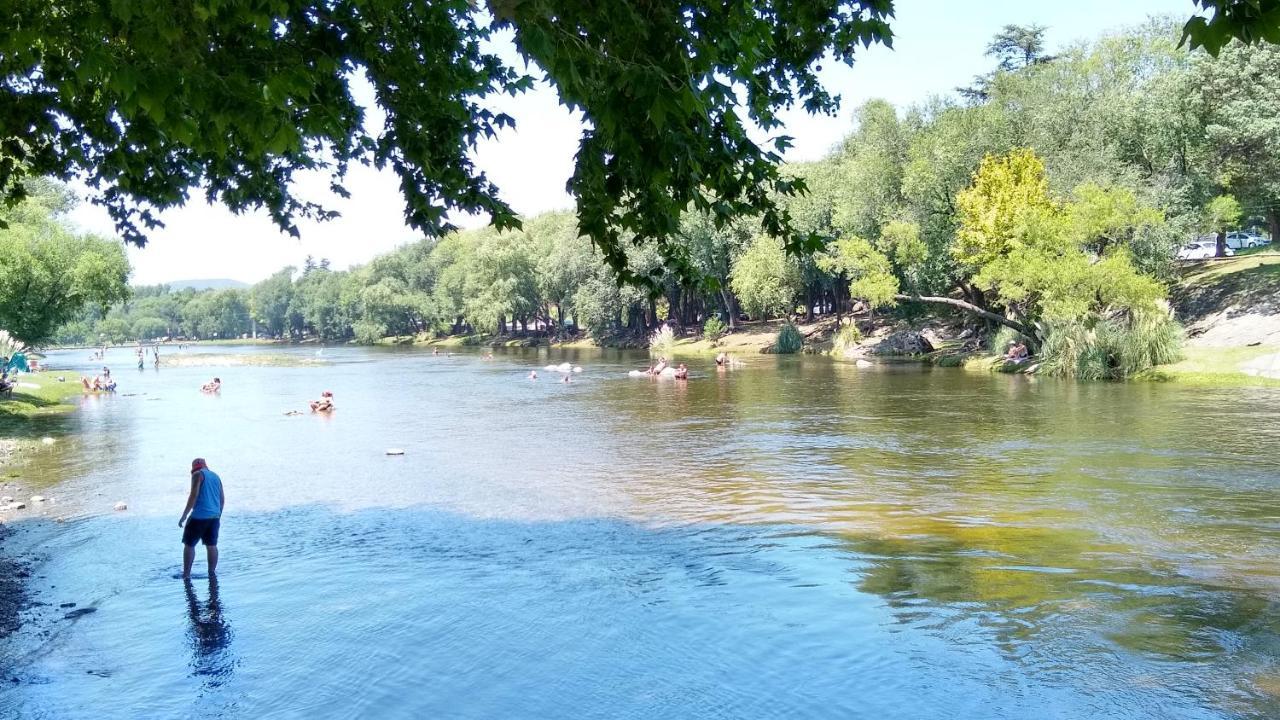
(205, 531)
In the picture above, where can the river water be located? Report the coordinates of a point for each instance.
(797, 538)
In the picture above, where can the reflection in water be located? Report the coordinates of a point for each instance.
(210, 635)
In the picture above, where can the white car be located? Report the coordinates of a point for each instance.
(1202, 250)
(1237, 240)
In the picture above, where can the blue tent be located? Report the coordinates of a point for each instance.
(18, 362)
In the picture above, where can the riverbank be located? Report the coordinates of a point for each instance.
(42, 393)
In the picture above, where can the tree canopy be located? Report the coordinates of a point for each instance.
(152, 101)
(48, 274)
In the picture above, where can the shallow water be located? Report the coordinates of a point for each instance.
(799, 538)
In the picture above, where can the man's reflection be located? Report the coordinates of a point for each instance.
(210, 635)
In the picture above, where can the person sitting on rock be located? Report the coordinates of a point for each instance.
(682, 372)
(324, 404)
(1017, 352)
(657, 369)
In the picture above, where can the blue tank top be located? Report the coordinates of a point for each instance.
(209, 499)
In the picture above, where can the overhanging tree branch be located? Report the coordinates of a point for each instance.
(1026, 330)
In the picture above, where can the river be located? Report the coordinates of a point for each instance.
(797, 538)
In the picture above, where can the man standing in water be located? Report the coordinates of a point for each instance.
(204, 505)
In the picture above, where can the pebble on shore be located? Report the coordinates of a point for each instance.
(120, 506)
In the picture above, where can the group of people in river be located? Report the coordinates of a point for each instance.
(142, 355)
(103, 382)
(324, 404)
(664, 368)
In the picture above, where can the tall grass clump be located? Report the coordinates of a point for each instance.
(9, 345)
(846, 339)
(1072, 350)
(714, 329)
(1141, 342)
(1114, 348)
(662, 341)
(999, 341)
(789, 340)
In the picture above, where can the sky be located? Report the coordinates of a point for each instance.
(938, 45)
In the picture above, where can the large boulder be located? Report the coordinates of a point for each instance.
(904, 342)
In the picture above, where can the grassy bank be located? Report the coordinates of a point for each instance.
(1217, 367)
(41, 394)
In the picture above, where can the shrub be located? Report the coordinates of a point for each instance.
(846, 339)
(789, 340)
(662, 341)
(714, 329)
(368, 332)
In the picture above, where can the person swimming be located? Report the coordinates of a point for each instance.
(682, 372)
(324, 404)
(212, 386)
(533, 374)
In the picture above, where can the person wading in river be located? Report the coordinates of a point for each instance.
(204, 505)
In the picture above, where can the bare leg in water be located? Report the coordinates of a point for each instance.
(189, 556)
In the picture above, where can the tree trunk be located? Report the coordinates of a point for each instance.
(727, 299)
(1273, 224)
(1222, 244)
(1026, 330)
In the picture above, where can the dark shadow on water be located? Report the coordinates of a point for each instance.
(210, 635)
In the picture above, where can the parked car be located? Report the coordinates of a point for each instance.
(1238, 240)
(1202, 250)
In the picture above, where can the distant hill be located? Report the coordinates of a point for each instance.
(210, 284)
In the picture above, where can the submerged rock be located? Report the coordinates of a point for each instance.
(863, 363)
(120, 506)
(79, 612)
(37, 498)
(19, 505)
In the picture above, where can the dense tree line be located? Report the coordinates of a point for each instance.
(1052, 195)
